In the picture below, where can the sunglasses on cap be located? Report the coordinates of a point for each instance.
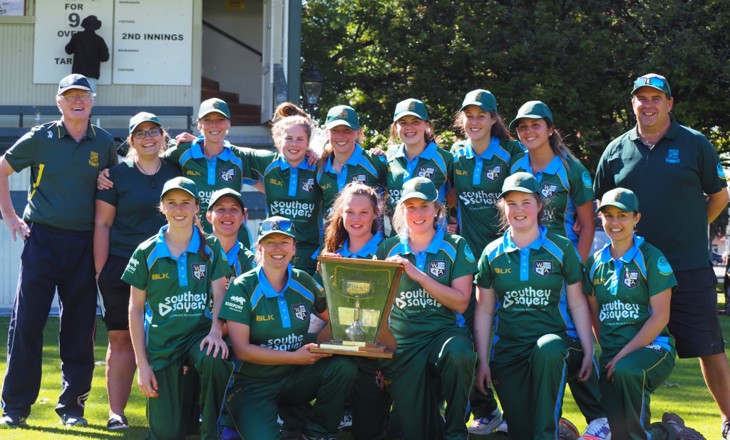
(286, 226)
(653, 81)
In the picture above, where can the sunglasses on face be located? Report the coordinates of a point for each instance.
(152, 132)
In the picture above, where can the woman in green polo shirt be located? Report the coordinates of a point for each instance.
(629, 286)
(175, 275)
(126, 215)
(521, 279)
(268, 312)
(435, 358)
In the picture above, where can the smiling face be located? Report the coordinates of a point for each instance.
(618, 224)
(276, 251)
(226, 216)
(358, 216)
(420, 216)
(534, 133)
(152, 142)
(75, 105)
(294, 144)
(179, 208)
(651, 108)
(521, 211)
(214, 127)
(411, 130)
(477, 123)
(343, 138)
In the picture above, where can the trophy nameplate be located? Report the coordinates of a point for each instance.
(359, 296)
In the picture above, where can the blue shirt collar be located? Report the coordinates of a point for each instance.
(433, 248)
(164, 251)
(605, 256)
(267, 288)
(509, 244)
(354, 159)
(428, 153)
(197, 152)
(488, 153)
(284, 165)
(369, 249)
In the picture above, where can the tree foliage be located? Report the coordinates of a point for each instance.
(580, 57)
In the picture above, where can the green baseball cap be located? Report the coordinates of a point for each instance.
(533, 110)
(419, 188)
(482, 99)
(653, 80)
(521, 182)
(342, 115)
(225, 192)
(622, 198)
(410, 107)
(276, 225)
(214, 105)
(181, 183)
(142, 117)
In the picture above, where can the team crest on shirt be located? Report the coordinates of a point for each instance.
(94, 159)
(227, 175)
(543, 267)
(672, 156)
(359, 178)
(494, 173)
(300, 312)
(437, 268)
(549, 190)
(308, 185)
(199, 271)
(631, 278)
(427, 172)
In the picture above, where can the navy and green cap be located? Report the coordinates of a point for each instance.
(142, 117)
(181, 183)
(73, 81)
(419, 188)
(482, 99)
(622, 198)
(225, 192)
(654, 81)
(410, 107)
(521, 182)
(276, 225)
(342, 115)
(532, 110)
(214, 105)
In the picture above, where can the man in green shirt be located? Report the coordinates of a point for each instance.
(64, 158)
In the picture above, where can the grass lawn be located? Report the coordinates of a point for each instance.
(684, 393)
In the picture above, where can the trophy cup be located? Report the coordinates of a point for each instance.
(359, 297)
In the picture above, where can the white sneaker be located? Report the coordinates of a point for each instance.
(486, 425)
(598, 429)
(503, 427)
(346, 422)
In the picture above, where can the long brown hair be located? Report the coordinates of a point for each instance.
(335, 234)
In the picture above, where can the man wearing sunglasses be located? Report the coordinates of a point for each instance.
(64, 158)
(677, 176)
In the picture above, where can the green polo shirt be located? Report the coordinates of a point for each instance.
(276, 320)
(136, 198)
(528, 283)
(564, 186)
(433, 163)
(362, 167)
(416, 315)
(291, 192)
(178, 293)
(63, 173)
(228, 169)
(477, 180)
(670, 181)
(240, 259)
(623, 289)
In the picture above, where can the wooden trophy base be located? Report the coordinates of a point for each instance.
(349, 348)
